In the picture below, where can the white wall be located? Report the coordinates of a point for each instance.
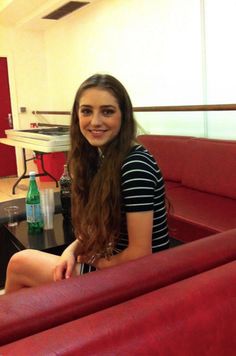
(166, 52)
(153, 47)
(27, 77)
(221, 65)
(27, 72)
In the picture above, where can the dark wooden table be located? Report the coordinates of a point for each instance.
(17, 238)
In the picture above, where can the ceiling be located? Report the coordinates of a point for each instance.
(28, 14)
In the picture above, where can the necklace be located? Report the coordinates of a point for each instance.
(101, 155)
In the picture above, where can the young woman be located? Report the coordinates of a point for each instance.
(118, 196)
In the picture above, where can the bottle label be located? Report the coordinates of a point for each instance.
(65, 192)
(33, 213)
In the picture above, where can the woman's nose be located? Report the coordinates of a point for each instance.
(96, 119)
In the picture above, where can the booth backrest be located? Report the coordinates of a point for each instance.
(208, 165)
(169, 151)
(195, 316)
(211, 166)
(32, 310)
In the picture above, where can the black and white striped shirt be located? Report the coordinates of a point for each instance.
(142, 189)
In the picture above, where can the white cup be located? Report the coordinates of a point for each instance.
(47, 207)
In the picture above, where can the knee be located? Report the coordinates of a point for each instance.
(18, 261)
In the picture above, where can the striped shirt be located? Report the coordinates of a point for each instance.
(142, 189)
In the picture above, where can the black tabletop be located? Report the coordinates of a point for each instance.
(60, 235)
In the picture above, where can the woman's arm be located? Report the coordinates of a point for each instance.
(72, 248)
(139, 227)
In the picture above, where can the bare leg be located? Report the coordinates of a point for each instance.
(29, 268)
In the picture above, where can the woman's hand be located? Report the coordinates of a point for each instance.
(65, 267)
(67, 262)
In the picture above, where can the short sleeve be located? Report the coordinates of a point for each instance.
(138, 182)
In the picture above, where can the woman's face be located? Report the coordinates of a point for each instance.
(99, 116)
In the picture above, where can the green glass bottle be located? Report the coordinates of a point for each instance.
(33, 209)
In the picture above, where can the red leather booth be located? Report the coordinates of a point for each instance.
(200, 179)
(174, 291)
(181, 301)
(195, 316)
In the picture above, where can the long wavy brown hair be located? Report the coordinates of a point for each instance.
(96, 191)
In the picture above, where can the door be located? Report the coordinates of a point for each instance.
(7, 153)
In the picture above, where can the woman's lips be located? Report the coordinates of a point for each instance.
(97, 133)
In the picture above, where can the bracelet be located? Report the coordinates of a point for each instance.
(97, 256)
(94, 258)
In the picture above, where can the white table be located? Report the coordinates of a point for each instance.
(40, 148)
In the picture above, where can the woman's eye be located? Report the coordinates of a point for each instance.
(85, 112)
(108, 112)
